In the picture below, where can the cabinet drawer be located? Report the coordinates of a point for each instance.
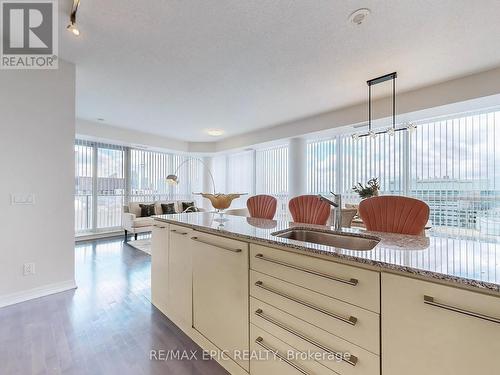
(274, 357)
(344, 320)
(179, 230)
(354, 285)
(179, 278)
(159, 266)
(438, 329)
(306, 337)
(220, 292)
(217, 241)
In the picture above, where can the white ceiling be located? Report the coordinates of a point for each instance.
(178, 67)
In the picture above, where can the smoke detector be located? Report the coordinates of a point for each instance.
(359, 16)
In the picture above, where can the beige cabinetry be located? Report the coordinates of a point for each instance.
(231, 296)
(220, 292)
(179, 277)
(159, 266)
(434, 329)
(315, 306)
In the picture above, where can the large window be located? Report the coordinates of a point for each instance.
(108, 176)
(450, 163)
(149, 171)
(99, 186)
(84, 186)
(262, 171)
(454, 167)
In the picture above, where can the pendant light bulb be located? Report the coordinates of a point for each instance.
(411, 127)
(372, 134)
(74, 29)
(391, 132)
(355, 137)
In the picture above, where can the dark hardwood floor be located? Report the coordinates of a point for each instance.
(106, 326)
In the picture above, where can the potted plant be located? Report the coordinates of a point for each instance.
(371, 189)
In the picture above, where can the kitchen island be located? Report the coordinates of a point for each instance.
(405, 304)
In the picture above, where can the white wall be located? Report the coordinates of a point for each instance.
(37, 129)
(127, 137)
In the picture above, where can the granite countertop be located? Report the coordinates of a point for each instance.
(452, 259)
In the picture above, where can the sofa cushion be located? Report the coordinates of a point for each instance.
(168, 208)
(158, 208)
(141, 222)
(147, 210)
(189, 206)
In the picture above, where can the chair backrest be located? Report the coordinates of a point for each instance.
(262, 206)
(394, 214)
(309, 209)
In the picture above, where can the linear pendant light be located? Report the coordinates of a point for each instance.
(392, 130)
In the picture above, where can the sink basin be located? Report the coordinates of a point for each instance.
(336, 239)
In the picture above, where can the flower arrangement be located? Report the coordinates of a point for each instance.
(370, 190)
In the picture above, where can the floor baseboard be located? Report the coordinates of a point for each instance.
(97, 236)
(26, 295)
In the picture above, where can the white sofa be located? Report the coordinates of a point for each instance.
(133, 223)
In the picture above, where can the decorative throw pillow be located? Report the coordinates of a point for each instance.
(189, 207)
(168, 208)
(147, 210)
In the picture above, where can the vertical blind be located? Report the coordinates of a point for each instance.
(99, 185)
(84, 187)
(219, 171)
(240, 176)
(271, 176)
(454, 168)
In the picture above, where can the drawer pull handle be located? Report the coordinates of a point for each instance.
(159, 226)
(351, 320)
(352, 282)
(215, 245)
(352, 359)
(260, 341)
(430, 301)
(177, 232)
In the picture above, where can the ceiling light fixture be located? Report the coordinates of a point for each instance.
(359, 16)
(392, 130)
(72, 19)
(215, 132)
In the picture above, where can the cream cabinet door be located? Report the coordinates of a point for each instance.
(159, 266)
(431, 329)
(220, 293)
(180, 277)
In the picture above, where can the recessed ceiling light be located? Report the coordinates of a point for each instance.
(215, 132)
(359, 16)
(100, 119)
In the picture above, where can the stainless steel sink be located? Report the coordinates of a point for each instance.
(330, 238)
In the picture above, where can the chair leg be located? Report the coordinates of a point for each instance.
(135, 236)
(126, 235)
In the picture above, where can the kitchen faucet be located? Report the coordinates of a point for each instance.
(337, 207)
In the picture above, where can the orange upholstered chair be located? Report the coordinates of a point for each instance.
(309, 209)
(262, 206)
(394, 214)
